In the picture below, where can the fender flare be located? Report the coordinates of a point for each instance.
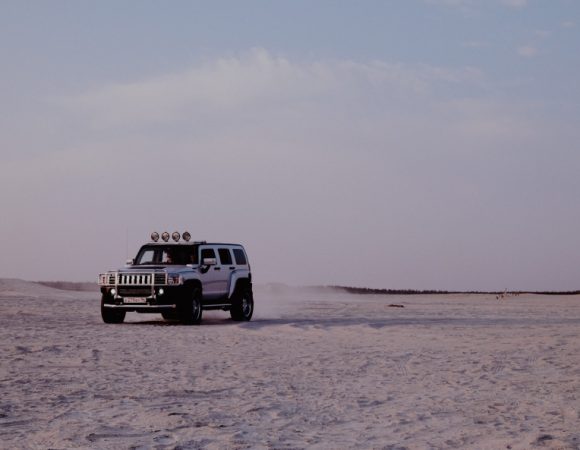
(193, 283)
(235, 280)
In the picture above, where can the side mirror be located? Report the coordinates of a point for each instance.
(129, 262)
(209, 261)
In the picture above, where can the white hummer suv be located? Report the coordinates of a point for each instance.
(180, 279)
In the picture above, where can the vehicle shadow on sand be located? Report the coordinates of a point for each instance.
(329, 322)
(176, 323)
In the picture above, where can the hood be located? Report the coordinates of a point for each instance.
(157, 268)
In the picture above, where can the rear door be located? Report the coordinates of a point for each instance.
(227, 267)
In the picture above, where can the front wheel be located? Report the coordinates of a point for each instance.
(111, 315)
(191, 309)
(243, 304)
(169, 315)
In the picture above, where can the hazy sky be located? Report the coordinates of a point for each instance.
(394, 144)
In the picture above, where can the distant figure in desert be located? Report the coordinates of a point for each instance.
(503, 296)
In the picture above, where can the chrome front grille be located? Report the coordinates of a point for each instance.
(141, 279)
(133, 279)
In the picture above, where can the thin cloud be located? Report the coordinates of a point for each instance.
(515, 3)
(475, 44)
(457, 3)
(544, 34)
(258, 78)
(470, 4)
(527, 51)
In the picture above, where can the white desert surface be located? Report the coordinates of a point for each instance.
(312, 370)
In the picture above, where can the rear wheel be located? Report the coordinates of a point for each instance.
(191, 309)
(242, 304)
(111, 315)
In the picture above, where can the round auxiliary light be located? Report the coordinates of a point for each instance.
(175, 236)
(186, 236)
(155, 236)
(165, 236)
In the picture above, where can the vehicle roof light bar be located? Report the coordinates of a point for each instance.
(176, 236)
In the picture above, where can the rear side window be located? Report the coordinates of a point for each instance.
(225, 256)
(240, 257)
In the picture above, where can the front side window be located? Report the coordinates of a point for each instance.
(146, 257)
(195, 255)
(207, 253)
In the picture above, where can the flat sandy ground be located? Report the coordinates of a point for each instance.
(320, 371)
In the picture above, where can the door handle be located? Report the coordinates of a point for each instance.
(217, 268)
(232, 268)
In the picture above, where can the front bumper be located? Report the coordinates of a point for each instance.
(140, 307)
(154, 301)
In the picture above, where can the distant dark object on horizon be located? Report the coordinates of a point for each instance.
(369, 291)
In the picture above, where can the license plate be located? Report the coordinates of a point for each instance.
(134, 300)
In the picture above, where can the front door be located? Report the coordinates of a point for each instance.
(212, 277)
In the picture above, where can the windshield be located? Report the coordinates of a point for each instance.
(167, 255)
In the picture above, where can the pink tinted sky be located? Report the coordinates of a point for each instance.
(417, 144)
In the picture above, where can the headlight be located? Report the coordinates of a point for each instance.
(174, 279)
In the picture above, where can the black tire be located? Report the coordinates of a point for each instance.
(170, 315)
(191, 308)
(242, 304)
(111, 315)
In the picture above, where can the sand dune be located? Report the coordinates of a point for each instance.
(12, 287)
(320, 371)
